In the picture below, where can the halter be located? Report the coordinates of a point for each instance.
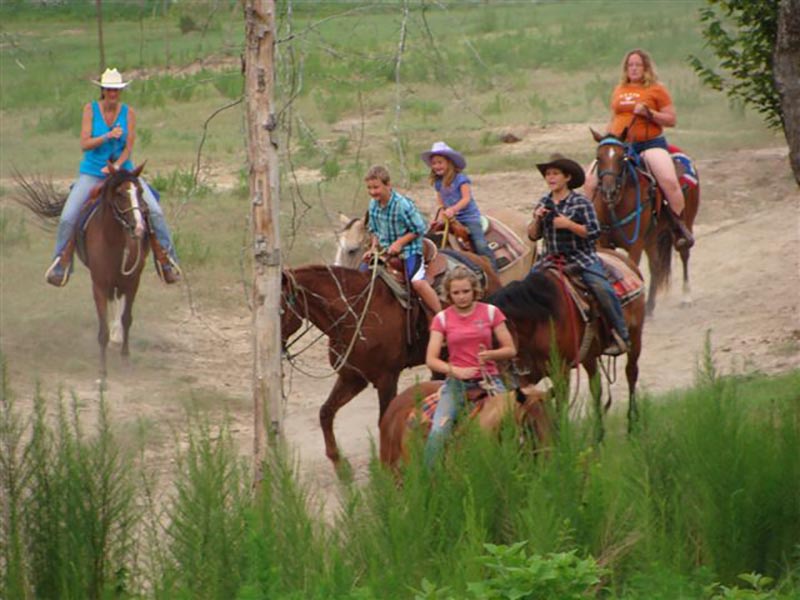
(620, 178)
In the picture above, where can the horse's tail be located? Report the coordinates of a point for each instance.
(663, 263)
(40, 197)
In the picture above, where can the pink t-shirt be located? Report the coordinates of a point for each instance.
(466, 334)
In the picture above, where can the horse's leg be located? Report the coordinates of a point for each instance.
(116, 306)
(344, 389)
(686, 299)
(387, 390)
(632, 375)
(596, 389)
(652, 258)
(126, 320)
(101, 304)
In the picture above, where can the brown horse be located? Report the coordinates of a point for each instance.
(629, 208)
(366, 327)
(404, 410)
(543, 315)
(513, 252)
(113, 247)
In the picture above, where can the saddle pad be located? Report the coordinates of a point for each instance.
(689, 176)
(627, 283)
(423, 416)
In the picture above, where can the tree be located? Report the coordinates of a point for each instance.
(99, 12)
(758, 45)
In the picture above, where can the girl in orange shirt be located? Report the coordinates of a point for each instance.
(644, 106)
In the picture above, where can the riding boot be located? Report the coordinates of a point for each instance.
(61, 268)
(683, 237)
(167, 269)
(617, 346)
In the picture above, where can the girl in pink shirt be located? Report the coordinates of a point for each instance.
(467, 327)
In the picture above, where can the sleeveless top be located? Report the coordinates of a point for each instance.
(95, 159)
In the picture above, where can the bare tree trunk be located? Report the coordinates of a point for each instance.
(787, 77)
(99, 5)
(263, 160)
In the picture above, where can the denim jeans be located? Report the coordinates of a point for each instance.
(480, 243)
(451, 403)
(595, 278)
(77, 197)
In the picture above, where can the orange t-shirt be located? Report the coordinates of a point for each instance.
(625, 97)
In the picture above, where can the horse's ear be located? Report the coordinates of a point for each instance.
(138, 170)
(597, 137)
(344, 219)
(112, 168)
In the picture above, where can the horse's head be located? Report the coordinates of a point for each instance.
(352, 242)
(122, 193)
(612, 159)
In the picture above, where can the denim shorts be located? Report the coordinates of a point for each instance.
(657, 142)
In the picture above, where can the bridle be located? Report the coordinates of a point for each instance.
(136, 207)
(612, 195)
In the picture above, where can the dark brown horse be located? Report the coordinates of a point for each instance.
(366, 329)
(544, 316)
(629, 208)
(113, 247)
(404, 409)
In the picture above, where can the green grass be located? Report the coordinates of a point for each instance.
(706, 491)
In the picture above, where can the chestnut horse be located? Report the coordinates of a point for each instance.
(366, 327)
(404, 410)
(543, 316)
(114, 248)
(629, 208)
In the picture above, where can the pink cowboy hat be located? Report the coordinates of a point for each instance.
(442, 149)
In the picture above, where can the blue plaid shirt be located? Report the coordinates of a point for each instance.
(399, 217)
(562, 244)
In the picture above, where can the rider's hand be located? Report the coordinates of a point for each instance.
(115, 133)
(449, 212)
(540, 213)
(464, 373)
(562, 222)
(395, 249)
(642, 110)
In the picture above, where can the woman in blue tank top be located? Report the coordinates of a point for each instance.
(108, 132)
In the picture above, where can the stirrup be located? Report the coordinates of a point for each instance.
(617, 346)
(173, 268)
(52, 278)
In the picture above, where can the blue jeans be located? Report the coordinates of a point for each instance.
(480, 243)
(77, 198)
(595, 278)
(451, 402)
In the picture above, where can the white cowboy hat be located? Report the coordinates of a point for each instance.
(442, 149)
(111, 79)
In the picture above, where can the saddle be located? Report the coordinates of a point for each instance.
(685, 169)
(626, 282)
(506, 245)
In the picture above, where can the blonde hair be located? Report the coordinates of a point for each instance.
(650, 75)
(460, 273)
(380, 173)
(449, 174)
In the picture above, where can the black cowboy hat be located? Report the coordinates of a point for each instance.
(566, 166)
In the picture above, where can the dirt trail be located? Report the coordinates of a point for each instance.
(745, 285)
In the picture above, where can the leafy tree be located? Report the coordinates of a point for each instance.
(753, 39)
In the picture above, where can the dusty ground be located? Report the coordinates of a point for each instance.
(745, 286)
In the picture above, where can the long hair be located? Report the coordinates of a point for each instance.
(650, 74)
(449, 174)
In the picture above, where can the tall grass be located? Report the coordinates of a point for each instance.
(706, 489)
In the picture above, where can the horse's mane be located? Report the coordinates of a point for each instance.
(535, 298)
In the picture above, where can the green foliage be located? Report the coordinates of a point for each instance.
(759, 589)
(742, 34)
(194, 251)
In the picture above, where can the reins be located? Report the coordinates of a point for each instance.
(119, 217)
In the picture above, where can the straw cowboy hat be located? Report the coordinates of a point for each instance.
(442, 149)
(111, 79)
(566, 166)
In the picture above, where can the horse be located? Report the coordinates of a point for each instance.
(543, 315)
(113, 246)
(629, 208)
(367, 330)
(514, 255)
(405, 412)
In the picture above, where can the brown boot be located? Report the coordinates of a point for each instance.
(59, 272)
(166, 268)
(683, 237)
